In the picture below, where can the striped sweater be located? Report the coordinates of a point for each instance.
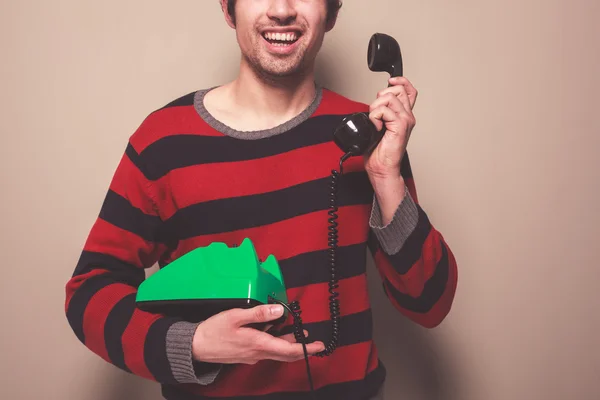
(186, 180)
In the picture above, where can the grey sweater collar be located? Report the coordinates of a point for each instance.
(251, 135)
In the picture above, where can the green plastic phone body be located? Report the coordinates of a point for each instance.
(211, 279)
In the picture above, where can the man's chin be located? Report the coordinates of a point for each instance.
(280, 72)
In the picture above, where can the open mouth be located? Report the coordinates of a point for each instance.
(281, 38)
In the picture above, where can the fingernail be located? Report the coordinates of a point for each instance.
(277, 310)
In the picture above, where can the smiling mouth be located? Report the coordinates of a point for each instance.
(281, 38)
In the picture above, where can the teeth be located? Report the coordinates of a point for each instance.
(287, 37)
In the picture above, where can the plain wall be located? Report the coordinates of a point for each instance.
(504, 155)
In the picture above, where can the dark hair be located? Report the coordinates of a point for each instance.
(333, 6)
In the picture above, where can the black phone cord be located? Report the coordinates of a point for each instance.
(334, 307)
(294, 310)
(332, 242)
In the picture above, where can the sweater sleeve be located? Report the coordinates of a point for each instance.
(125, 239)
(417, 267)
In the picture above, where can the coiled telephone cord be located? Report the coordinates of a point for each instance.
(334, 305)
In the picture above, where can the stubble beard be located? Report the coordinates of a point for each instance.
(272, 68)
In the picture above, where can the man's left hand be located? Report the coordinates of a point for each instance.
(394, 108)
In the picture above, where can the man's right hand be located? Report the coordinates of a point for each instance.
(224, 338)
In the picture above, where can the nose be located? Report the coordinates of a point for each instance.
(282, 11)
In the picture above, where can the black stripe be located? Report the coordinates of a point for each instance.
(313, 267)
(119, 212)
(178, 151)
(352, 390)
(120, 271)
(432, 292)
(116, 323)
(155, 350)
(186, 100)
(81, 299)
(412, 250)
(225, 215)
(137, 160)
(405, 167)
(372, 243)
(354, 328)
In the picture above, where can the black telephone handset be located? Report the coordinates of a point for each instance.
(357, 135)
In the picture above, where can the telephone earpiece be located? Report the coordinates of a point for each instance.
(384, 55)
(357, 135)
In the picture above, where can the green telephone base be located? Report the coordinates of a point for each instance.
(212, 279)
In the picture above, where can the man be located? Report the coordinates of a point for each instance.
(252, 158)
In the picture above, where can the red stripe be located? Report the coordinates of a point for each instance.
(124, 245)
(96, 313)
(293, 236)
(336, 104)
(312, 298)
(75, 282)
(413, 282)
(374, 358)
(134, 339)
(185, 120)
(386, 269)
(441, 309)
(182, 120)
(231, 179)
(270, 377)
(130, 183)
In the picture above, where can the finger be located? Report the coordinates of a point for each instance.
(407, 87)
(297, 352)
(290, 337)
(382, 115)
(391, 101)
(263, 313)
(314, 348)
(411, 91)
(400, 93)
(280, 349)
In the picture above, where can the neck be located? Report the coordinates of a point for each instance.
(272, 100)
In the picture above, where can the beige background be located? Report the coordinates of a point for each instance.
(505, 157)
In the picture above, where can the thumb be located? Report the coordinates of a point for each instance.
(263, 313)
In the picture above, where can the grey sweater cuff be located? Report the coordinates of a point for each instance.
(179, 354)
(393, 235)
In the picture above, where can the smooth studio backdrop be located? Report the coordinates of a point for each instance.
(504, 155)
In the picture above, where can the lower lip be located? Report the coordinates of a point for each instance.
(283, 50)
